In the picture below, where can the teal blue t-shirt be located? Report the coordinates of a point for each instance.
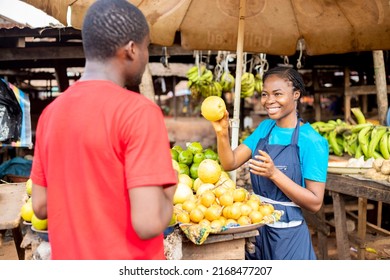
(313, 148)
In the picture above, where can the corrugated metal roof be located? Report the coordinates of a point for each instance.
(6, 22)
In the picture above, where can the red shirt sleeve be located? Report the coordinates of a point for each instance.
(148, 160)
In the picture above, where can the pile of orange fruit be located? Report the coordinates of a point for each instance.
(219, 204)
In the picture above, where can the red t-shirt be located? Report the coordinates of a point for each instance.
(93, 143)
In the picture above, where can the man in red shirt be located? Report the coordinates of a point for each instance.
(102, 170)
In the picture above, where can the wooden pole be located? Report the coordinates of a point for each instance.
(381, 87)
(235, 122)
(146, 87)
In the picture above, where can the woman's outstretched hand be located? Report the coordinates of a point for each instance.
(262, 165)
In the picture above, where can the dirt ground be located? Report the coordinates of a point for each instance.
(380, 246)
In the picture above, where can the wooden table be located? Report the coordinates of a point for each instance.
(12, 197)
(218, 247)
(363, 190)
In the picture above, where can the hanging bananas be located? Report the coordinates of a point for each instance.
(227, 82)
(247, 85)
(201, 82)
(258, 83)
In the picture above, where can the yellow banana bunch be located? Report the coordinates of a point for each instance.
(258, 83)
(227, 82)
(212, 89)
(194, 73)
(247, 84)
(201, 82)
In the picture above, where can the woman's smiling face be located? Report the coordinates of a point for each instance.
(279, 99)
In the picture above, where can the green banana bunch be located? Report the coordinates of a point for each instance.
(247, 85)
(227, 82)
(364, 139)
(384, 145)
(334, 144)
(376, 135)
(361, 139)
(358, 115)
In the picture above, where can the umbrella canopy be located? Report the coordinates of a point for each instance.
(275, 27)
(271, 26)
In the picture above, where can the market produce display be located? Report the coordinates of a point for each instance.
(188, 159)
(211, 202)
(27, 213)
(362, 139)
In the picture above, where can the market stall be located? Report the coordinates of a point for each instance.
(342, 185)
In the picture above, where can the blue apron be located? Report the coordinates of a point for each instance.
(289, 238)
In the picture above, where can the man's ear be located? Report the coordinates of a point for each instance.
(129, 50)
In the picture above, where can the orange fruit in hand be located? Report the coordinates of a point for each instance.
(213, 108)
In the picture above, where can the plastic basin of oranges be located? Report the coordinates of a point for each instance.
(214, 200)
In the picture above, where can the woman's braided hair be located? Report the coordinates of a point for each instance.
(109, 25)
(290, 74)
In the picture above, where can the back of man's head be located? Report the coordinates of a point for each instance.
(109, 25)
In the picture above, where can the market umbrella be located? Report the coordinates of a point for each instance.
(271, 26)
(275, 27)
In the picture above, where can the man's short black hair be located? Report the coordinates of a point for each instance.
(109, 25)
